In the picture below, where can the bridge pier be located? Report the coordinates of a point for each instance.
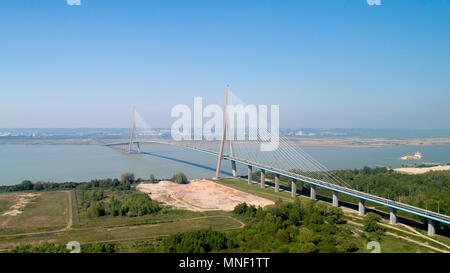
(293, 188)
(361, 207)
(392, 216)
(335, 199)
(250, 175)
(313, 192)
(431, 227)
(263, 178)
(277, 182)
(233, 168)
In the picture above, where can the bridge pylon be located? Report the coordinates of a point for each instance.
(134, 133)
(224, 139)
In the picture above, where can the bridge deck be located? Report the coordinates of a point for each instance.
(365, 196)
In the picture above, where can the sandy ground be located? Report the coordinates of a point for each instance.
(200, 195)
(422, 170)
(21, 203)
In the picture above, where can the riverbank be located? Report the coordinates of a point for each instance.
(422, 170)
(302, 142)
(354, 142)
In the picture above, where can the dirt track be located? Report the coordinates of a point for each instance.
(69, 208)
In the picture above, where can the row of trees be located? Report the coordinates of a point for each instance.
(27, 185)
(430, 190)
(124, 183)
(54, 248)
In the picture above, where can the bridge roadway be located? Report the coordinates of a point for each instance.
(361, 195)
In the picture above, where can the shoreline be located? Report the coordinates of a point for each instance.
(422, 170)
(350, 142)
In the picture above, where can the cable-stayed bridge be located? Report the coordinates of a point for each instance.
(288, 161)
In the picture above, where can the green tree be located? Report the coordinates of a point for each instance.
(99, 248)
(96, 210)
(180, 178)
(139, 204)
(371, 221)
(26, 185)
(127, 178)
(240, 208)
(152, 178)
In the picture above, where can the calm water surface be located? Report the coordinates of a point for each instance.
(78, 163)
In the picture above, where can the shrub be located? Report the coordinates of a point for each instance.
(180, 178)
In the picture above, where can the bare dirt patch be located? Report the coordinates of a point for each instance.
(200, 195)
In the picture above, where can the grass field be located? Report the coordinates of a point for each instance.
(44, 220)
(6, 201)
(129, 229)
(48, 211)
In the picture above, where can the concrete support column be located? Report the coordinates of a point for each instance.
(335, 199)
(313, 192)
(361, 207)
(233, 168)
(293, 188)
(393, 216)
(263, 178)
(431, 227)
(250, 176)
(277, 182)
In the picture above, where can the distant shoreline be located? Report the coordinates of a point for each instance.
(341, 142)
(422, 170)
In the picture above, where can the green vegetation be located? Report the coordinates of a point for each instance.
(127, 178)
(42, 248)
(27, 185)
(199, 241)
(47, 211)
(152, 178)
(95, 203)
(54, 248)
(109, 215)
(371, 223)
(430, 190)
(285, 227)
(180, 178)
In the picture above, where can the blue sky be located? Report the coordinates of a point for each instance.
(328, 64)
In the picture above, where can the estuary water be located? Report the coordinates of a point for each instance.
(77, 163)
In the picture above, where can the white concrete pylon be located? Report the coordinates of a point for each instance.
(222, 142)
(134, 133)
